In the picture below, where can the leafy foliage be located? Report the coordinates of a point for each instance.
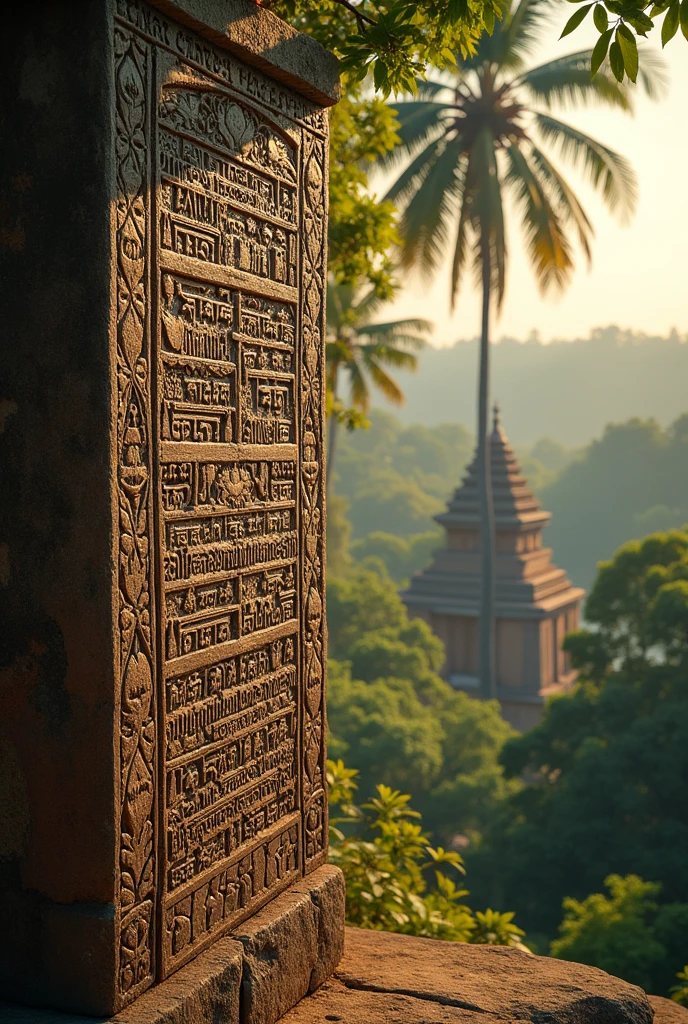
(607, 768)
(679, 993)
(631, 481)
(631, 19)
(386, 857)
(393, 41)
(396, 721)
(362, 230)
(397, 478)
(625, 933)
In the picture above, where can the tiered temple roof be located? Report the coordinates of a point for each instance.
(529, 588)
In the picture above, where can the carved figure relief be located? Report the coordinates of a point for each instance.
(220, 321)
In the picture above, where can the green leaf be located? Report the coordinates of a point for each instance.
(640, 29)
(600, 51)
(575, 20)
(489, 20)
(670, 23)
(380, 75)
(629, 51)
(642, 19)
(601, 18)
(684, 18)
(616, 61)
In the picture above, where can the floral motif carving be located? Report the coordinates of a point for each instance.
(214, 118)
(312, 497)
(137, 696)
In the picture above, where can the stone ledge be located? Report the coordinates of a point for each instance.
(251, 977)
(667, 1011)
(258, 37)
(399, 979)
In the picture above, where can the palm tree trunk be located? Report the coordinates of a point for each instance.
(486, 622)
(331, 436)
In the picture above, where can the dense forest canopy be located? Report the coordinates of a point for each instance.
(607, 768)
(580, 825)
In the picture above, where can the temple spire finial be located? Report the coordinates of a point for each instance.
(496, 423)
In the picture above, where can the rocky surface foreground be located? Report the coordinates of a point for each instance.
(399, 979)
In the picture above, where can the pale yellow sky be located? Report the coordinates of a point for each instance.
(639, 276)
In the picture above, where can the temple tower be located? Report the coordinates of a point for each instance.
(536, 604)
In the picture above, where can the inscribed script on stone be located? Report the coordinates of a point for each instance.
(219, 231)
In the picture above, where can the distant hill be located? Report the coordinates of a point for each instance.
(390, 480)
(568, 390)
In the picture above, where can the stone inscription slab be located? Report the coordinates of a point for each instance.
(220, 233)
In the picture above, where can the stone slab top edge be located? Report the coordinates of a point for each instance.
(263, 40)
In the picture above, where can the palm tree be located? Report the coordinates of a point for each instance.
(487, 136)
(361, 350)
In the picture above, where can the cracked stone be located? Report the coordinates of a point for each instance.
(400, 979)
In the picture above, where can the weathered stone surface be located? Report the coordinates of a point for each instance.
(162, 246)
(327, 890)
(266, 42)
(292, 946)
(335, 1002)
(286, 950)
(398, 978)
(205, 991)
(667, 1011)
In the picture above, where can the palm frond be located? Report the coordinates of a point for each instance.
(389, 355)
(568, 206)
(418, 121)
(427, 89)
(653, 74)
(424, 224)
(412, 329)
(519, 32)
(383, 382)
(358, 387)
(367, 305)
(413, 176)
(609, 172)
(567, 81)
(546, 242)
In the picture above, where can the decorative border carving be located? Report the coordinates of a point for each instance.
(313, 652)
(137, 735)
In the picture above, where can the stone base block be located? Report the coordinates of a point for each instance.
(255, 976)
(292, 946)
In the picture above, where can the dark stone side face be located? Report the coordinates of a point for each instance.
(162, 233)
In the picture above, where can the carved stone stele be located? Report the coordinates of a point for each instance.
(163, 216)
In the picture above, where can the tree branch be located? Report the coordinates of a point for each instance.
(359, 15)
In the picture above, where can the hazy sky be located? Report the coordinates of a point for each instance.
(639, 276)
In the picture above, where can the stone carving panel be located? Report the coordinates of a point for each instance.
(221, 230)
